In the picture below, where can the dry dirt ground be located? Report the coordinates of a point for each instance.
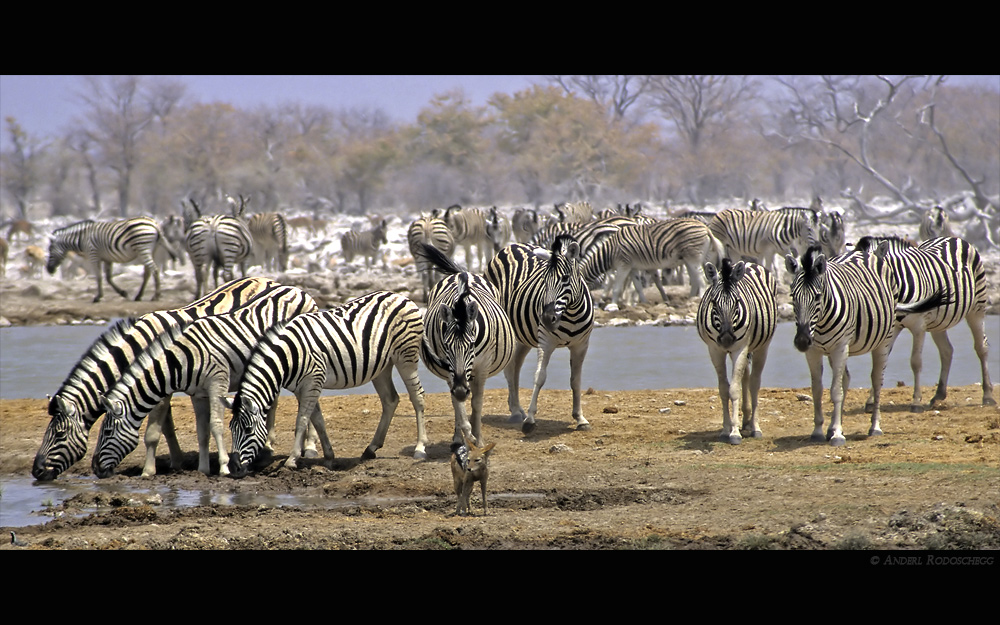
(650, 474)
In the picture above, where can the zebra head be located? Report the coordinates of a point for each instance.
(119, 435)
(723, 301)
(807, 293)
(457, 330)
(248, 428)
(563, 281)
(64, 441)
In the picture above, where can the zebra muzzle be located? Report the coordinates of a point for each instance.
(803, 338)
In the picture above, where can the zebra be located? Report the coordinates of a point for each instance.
(433, 231)
(759, 235)
(204, 359)
(343, 347)
(573, 213)
(468, 338)
(737, 316)
(173, 232)
(661, 245)
(468, 225)
(270, 240)
(223, 241)
(498, 229)
(109, 242)
(549, 306)
(76, 405)
(952, 264)
(935, 223)
(364, 243)
(524, 224)
(845, 306)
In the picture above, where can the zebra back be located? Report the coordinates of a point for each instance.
(543, 291)
(738, 309)
(364, 243)
(76, 405)
(963, 258)
(270, 239)
(574, 212)
(760, 234)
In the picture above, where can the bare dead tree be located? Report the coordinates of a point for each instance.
(696, 104)
(615, 93)
(20, 166)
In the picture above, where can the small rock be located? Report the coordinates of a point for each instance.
(803, 397)
(680, 402)
(610, 410)
(664, 410)
(559, 448)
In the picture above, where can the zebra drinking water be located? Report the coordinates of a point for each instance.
(204, 359)
(76, 405)
(549, 306)
(109, 242)
(467, 339)
(344, 347)
(737, 317)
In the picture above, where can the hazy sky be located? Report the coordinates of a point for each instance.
(43, 105)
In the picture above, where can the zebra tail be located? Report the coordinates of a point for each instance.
(939, 299)
(438, 259)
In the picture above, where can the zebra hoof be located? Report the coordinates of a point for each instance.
(874, 432)
(989, 401)
(310, 453)
(420, 455)
(583, 427)
(515, 418)
(838, 441)
(817, 438)
(732, 439)
(368, 454)
(527, 427)
(916, 408)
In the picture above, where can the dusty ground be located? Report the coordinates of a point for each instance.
(650, 474)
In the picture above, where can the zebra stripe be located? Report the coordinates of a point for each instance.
(222, 240)
(343, 347)
(573, 213)
(468, 225)
(364, 243)
(467, 339)
(204, 359)
(498, 230)
(650, 247)
(109, 242)
(965, 259)
(843, 307)
(737, 316)
(935, 223)
(524, 224)
(270, 240)
(76, 405)
(431, 231)
(549, 306)
(759, 235)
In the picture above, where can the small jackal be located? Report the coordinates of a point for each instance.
(469, 464)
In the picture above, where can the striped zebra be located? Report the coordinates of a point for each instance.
(108, 242)
(942, 263)
(344, 347)
(204, 359)
(498, 229)
(759, 235)
(845, 306)
(270, 240)
(468, 225)
(650, 247)
(173, 232)
(549, 306)
(365, 242)
(222, 241)
(935, 223)
(468, 338)
(524, 224)
(433, 231)
(76, 405)
(573, 213)
(737, 317)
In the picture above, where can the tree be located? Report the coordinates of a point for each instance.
(20, 166)
(615, 93)
(119, 109)
(701, 107)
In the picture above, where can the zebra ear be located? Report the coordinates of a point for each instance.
(791, 263)
(227, 402)
(711, 273)
(738, 271)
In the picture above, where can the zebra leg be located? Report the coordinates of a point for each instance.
(145, 279)
(203, 419)
(512, 372)
(107, 274)
(544, 354)
(577, 354)
(309, 410)
(216, 424)
(176, 455)
(838, 366)
(916, 365)
(815, 360)
(478, 390)
(463, 426)
(658, 281)
(729, 432)
(390, 400)
(752, 387)
(879, 357)
(408, 371)
(977, 323)
(154, 425)
(945, 351)
(738, 398)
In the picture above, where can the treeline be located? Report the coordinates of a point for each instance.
(141, 146)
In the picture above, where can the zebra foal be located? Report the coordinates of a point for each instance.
(76, 405)
(549, 306)
(106, 243)
(343, 347)
(204, 359)
(467, 339)
(737, 317)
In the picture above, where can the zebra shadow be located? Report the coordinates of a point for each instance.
(545, 429)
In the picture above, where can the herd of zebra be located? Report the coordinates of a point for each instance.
(255, 336)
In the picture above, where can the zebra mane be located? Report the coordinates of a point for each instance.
(462, 309)
(72, 226)
(557, 248)
(869, 243)
(810, 260)
(727, 280)
(100, 351)
(156, 348)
